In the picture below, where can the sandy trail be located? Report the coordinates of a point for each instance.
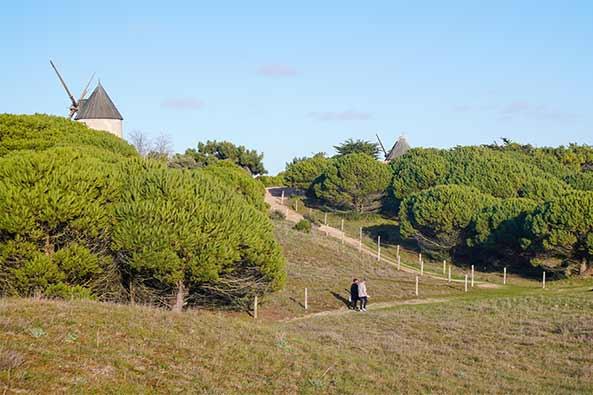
(274, 199)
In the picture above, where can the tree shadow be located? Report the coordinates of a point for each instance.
(390, 236)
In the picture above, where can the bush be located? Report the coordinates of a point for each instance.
(303, 226)
(240, 181)
(438, 217)
(302, 172)
(272, 181)
(562, 233)
(354, 182)
(188, 233)
(40, 132)
(277, 215)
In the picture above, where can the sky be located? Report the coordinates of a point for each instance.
(290, 79)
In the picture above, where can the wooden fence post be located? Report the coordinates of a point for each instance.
(360, 239)
(416, 285)
(449, 273)
(504, 276)
(466, 282)
(378, 248)
(306, 300)
(472, 276)
(544, 280)
(255, 307)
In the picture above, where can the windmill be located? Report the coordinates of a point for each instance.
(75, 106)
(400, 148)
(381, 145)
(97, 112)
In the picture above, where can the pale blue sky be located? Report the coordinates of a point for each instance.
(294, 78)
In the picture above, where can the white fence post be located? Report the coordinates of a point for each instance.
(296, 205)
(255, 307)
(422, 267)
(306, 299)
(378, 248)
(449, 273)
(444, 267)
(398, 262)
(544, 280)
(397, 251)
(360, 239)
(472, 276)
(282, 198)
(504, 276)
(416, 285)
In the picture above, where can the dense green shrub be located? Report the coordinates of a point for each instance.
(56, 219)
(40, 132)
(489, 171)
(354, 182)
(357, 147)
(303, 226)
(86, 217)
(562, 232)
(187, 231)
(437, 218)
(238, 180)
(211, 151)
(272, 181)
(302, 172)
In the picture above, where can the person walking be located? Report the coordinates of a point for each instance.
(362, 295)
(354, 294)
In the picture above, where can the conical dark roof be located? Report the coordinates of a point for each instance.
(98, 106)
(400, 147)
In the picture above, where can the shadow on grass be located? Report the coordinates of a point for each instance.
(342, 299)
(389, 236)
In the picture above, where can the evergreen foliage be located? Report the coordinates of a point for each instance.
(301, 173)
(562, 232)
(354, 182)
(358, 147)
(210, 151)
(87, 217)
(437, 218)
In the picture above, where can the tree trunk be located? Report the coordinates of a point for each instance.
(583, 267)
(180, 299)
(48, 248)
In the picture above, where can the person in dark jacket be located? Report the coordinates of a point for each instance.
(354, 294)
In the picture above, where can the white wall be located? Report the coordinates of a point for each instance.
(113, 126)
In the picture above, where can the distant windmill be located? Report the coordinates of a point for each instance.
(75, 106)
(400, 147)
(97, 112)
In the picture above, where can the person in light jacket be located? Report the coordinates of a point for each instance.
(362, 295)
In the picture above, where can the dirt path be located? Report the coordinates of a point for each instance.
(371, 307)
(274, 199)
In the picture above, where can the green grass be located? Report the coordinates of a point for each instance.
(512, 339)
(538, 343)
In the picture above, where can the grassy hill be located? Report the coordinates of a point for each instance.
(510, 339)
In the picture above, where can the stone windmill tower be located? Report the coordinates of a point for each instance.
(97, 112)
